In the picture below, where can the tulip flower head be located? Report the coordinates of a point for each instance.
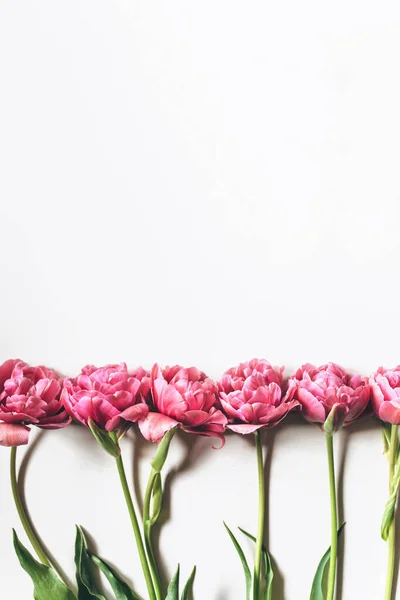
(108, 396)
(385, 387)
(251, 396)
(185, 398)
(28, 396)
(329, 395)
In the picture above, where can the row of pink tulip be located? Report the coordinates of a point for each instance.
(247, 397)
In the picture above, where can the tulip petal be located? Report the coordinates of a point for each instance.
(389, 413)
(313, 409)
(245, 428)
(155, 425)
(377, 396)
(13, 435)
(194, 418)
(133, 414)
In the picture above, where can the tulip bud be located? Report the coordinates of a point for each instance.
(335, 419)
(105, 439)
(162, 451)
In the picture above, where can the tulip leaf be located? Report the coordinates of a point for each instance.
(86, 586)
(105, 439)
(388, 515)
(121, 590)
(173, 588)
(317, 592)
(246, 569)
(386, 432)
(156, 499)
(188, 589)
(162, 451)
(269, 572)
(45, 581)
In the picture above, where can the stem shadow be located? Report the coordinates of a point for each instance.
(21, 478)
(278, 581)
(193, 451)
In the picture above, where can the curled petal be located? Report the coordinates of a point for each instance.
(13, 435)
(133, 414)
(155, 425)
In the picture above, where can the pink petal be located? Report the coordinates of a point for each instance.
(155, 425)
(244, 429)
(18, 418)
(55, 421)
(313, 410)
(231, 412)
(170, 401)
(194, 418)
(7, 368)
(210, 432)
(388, 392)
(389, 413)
(13, 435)
(377, 396)
(132, 414)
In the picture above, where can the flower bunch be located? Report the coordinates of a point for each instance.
(248, 399)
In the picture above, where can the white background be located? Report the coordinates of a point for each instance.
(201, 183)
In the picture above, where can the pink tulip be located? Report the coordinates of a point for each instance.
(185, 398)
(28, 396)
(329, 395)
(109, 396)
(251, 396)
(385, 386)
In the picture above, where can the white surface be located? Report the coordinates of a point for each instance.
(201, 182)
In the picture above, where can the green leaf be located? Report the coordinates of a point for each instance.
(105, 440)
(173, 588)
(188, 589)
(121, 590)
(242, 557)
(316, 590)
(386, 432)
(269, 572)
(156, 499)
(162, 451)
(388, 515)
(86, 586)
(45, 581)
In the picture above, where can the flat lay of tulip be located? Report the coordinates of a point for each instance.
(248, 399)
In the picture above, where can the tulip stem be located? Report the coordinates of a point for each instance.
(35, 542)
(135, 524)
(257, 592)
(393, 448)
(334, 519)
(147, 534)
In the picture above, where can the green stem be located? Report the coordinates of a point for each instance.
(147, 535)
(135, 527)
(261, 519)
(334, 519)
(392, 531)
(35, 542)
